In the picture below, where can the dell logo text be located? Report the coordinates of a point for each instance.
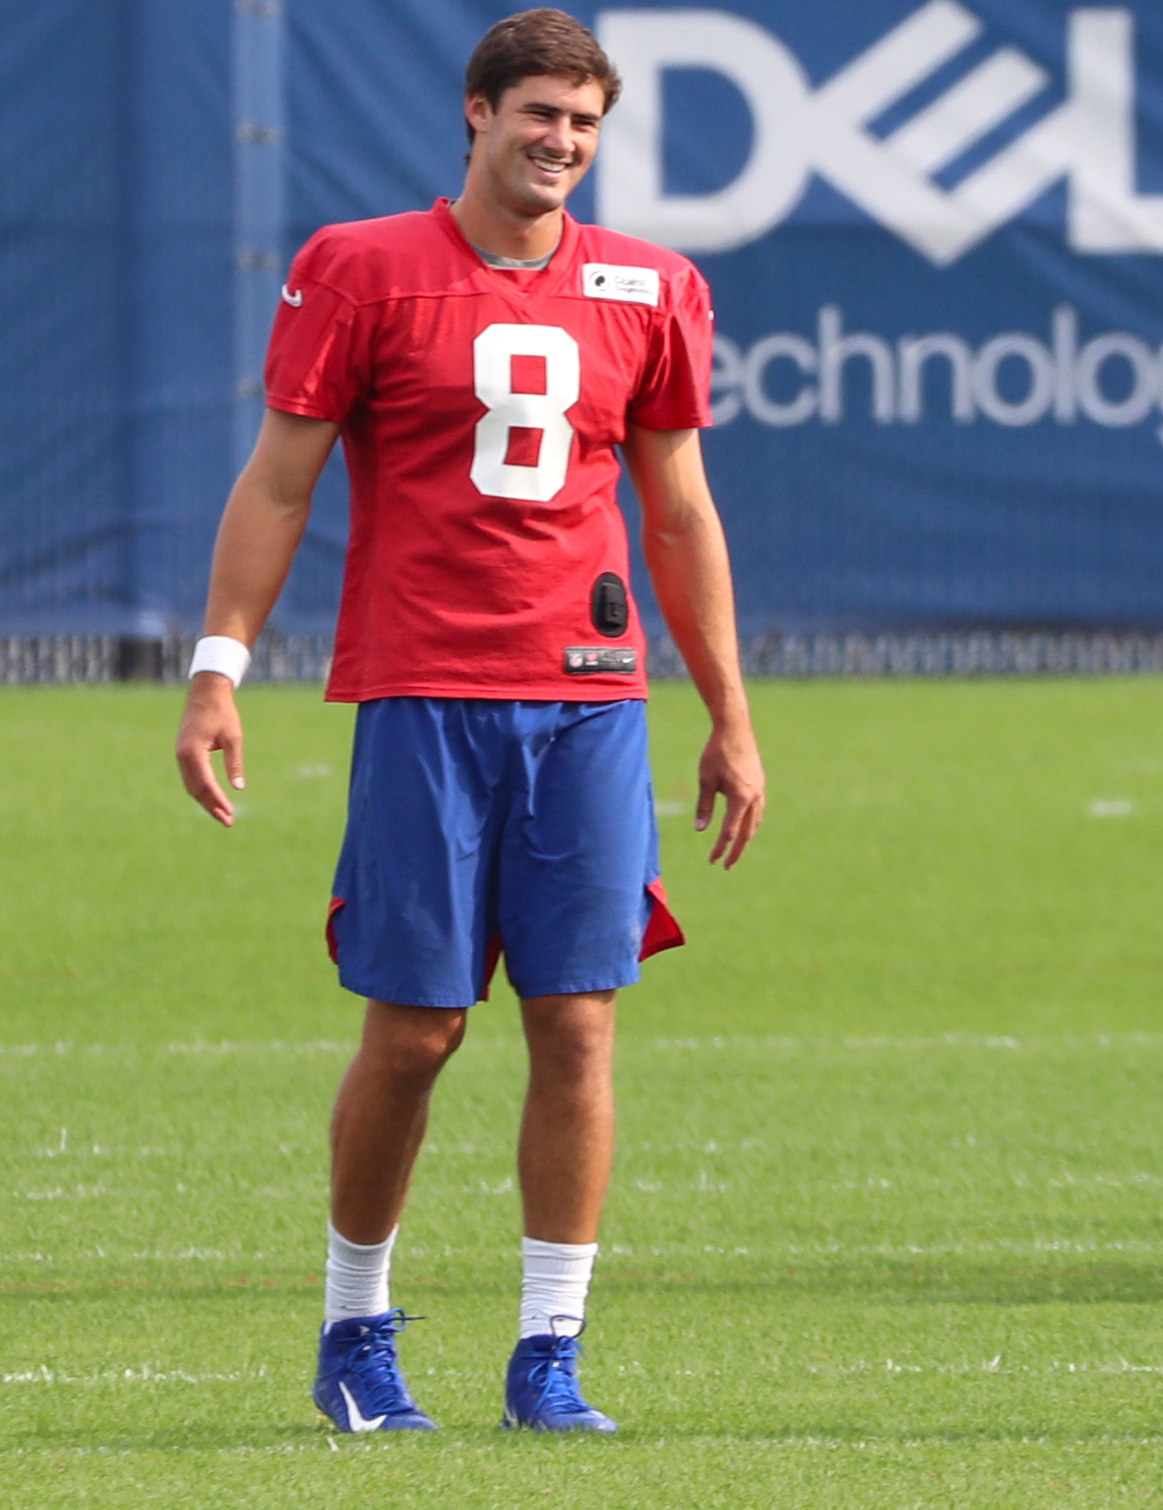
(1089, 140)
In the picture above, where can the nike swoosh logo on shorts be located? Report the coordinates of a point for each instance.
(356, 1421)
(294, 300)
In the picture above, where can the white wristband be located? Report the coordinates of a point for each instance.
(218, 652)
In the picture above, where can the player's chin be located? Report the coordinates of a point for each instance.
(546, 186)
(546, 192)
(531, 206)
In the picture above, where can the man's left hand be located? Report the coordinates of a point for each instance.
(731, 765)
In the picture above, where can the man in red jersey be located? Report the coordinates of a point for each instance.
(482, 362)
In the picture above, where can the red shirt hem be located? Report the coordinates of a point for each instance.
(579, 690)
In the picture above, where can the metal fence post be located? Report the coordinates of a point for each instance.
(258, 118)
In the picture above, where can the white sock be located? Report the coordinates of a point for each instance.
(555, 1280)
(357, 1277)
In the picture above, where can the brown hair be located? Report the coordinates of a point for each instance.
(537, 42)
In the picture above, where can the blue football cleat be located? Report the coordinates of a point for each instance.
(542, 1389)
(359, 1384)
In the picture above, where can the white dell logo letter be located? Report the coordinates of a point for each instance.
(630, 198)
(1088, 140)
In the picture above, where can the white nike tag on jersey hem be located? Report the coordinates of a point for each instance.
(294, 300)
(629, 285)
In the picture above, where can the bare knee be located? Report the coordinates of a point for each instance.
(408, 1046)
(570, 1038)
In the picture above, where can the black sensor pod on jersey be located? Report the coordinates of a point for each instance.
(609, 608)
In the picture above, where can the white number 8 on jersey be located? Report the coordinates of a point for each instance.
(493, 352)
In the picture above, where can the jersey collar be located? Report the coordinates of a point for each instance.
(559, 265)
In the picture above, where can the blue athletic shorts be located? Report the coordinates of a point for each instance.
(476, 826)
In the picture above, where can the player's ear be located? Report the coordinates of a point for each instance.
(477, 112)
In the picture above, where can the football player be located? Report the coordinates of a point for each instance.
(484, 362)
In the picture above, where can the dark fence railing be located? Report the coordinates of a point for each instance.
(917, 653)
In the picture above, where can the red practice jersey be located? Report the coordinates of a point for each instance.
(481, 408)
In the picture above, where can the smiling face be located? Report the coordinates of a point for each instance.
(533, 149)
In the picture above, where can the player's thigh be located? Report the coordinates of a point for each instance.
(577, 856)
(414, 912)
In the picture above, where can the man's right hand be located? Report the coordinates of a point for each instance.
(211, 722)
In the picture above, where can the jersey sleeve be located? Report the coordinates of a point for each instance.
(675, 390)
(319, 358)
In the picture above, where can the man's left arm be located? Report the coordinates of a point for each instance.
(686, 554)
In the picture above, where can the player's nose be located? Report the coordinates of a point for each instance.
(559, 139)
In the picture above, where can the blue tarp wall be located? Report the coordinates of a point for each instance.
(934, 233)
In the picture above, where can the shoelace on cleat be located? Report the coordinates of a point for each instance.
(557, 1380)
(374, 1359)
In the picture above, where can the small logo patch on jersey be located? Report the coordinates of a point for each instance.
(293, 299)
(629, 285)
(585, 660)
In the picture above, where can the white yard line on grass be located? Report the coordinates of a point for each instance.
(743, 1043)
(144, 1374)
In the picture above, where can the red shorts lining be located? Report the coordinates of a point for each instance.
(662, 932)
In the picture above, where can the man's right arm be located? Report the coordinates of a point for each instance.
(260, 531)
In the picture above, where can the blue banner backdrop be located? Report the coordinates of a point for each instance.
(934, 232)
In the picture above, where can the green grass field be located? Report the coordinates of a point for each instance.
(887, 1221)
